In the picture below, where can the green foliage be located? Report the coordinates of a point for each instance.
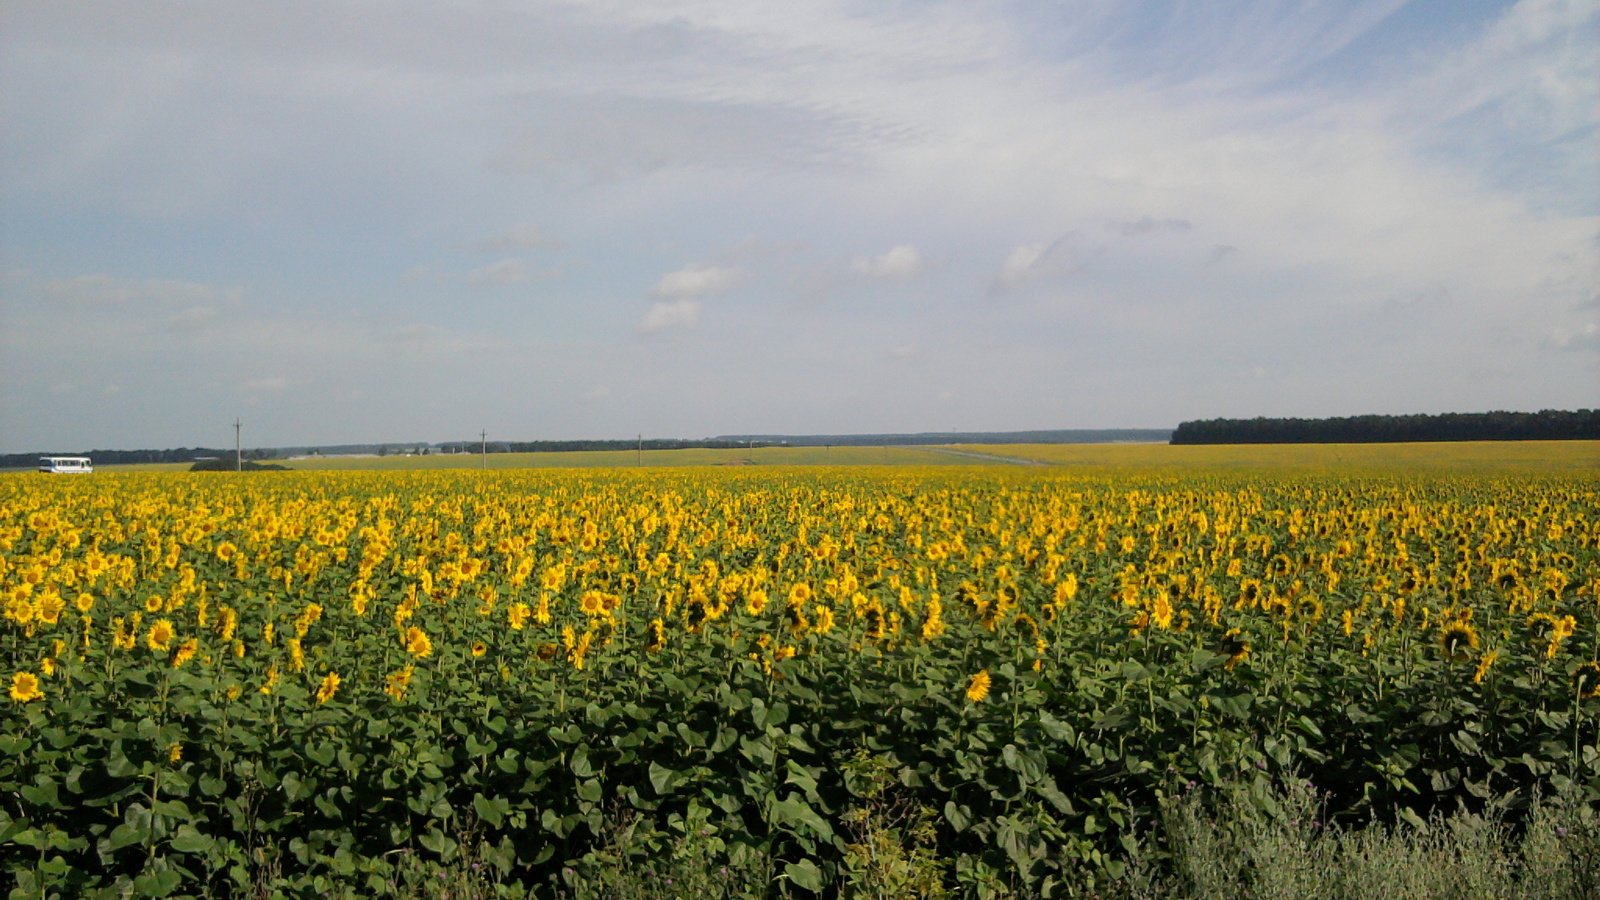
(859, 762)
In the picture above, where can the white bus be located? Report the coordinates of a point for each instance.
(65, 465)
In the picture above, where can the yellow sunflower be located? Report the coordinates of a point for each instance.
(418, 643)
(329, 687)
(25, 687)
(160, 636)
(978, 687)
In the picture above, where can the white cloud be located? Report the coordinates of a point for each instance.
(1585, 338)
(693, 281)
(517, 237)
(1020, 264)
(110, 290)
(424, 273)
(193, 318)
(499, 274)
(669, 314)
(1039, 261)
(902, 261)
(269, 384)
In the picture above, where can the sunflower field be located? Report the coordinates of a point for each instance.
(217, 682)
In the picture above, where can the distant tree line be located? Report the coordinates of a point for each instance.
(229, 464)
(1545, 425)
(719, 442)
(570, 446)
(125, 457)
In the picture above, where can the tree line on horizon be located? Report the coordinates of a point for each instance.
(721, 442)
(1545, 425)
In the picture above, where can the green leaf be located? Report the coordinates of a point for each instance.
(42, 795)
(491, 811)
(1134, 671)
(793, 810)
(800, 778)
(589, 790)
(663, 779)
(126, 835)
(579, 764)
(118, 765)
(1057, 729)
(959, 817)
(804, 874)
(157, 884)
(436, 841)
(188, 839)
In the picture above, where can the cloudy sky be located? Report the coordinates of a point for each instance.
(356, 221)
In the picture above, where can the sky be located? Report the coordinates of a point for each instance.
(349, 221)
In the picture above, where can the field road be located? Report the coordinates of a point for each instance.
(988, 457)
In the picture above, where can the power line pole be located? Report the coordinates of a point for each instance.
(238, 448)
(638, 458)
(484, 435)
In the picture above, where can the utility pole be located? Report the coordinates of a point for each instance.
(238, 448)
(484, 436)
(638, 458)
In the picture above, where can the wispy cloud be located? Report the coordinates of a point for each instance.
(1147, 225)
(501, 273)
(516, 238)
(669, 314)
(900, 261)
(104, 289)
(695, 281)
(267, 384)
(1038, 261)
(1585, 337)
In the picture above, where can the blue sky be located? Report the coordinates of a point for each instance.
(354, 221)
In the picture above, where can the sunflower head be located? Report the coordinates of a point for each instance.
(1458, 638)
(1235, 647)
(25, 687)
(160, 636)
(329, 687)
(1586, 681)
(978, 686)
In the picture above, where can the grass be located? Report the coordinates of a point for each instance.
(588, 459)
(1466, 457)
